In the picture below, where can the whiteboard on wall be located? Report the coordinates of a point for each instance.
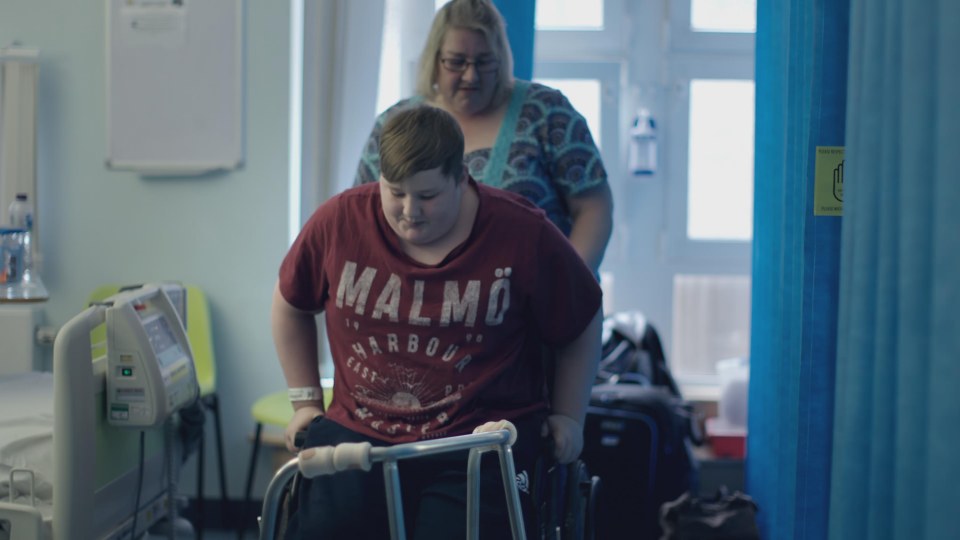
(174, 86)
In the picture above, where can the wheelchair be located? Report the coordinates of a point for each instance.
(564, 495)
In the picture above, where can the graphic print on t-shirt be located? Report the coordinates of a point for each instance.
(411, 343)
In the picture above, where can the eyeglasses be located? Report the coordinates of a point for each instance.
(459, 65)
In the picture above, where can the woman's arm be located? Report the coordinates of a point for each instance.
(592, 223)
(576, 171)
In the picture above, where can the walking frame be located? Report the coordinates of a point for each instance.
(312, 462)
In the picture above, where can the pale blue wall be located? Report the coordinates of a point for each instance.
(225, 233)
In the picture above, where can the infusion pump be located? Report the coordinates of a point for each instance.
(150, 371)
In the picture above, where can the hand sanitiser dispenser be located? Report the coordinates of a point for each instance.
(150, 371)
(642, 149)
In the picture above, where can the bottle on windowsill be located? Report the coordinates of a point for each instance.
(29, 287)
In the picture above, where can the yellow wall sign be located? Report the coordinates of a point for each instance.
(828, 181)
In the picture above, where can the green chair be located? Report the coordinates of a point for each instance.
(98, 336)
(270, 410)
(201, 344)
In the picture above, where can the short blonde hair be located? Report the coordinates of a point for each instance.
(418, 139)
(478, 15)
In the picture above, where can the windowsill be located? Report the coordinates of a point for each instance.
(709, 393)
(705, 453)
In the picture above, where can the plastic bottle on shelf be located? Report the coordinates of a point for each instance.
(11, 260)
(30, 287)
(21, 217)
(21, 212)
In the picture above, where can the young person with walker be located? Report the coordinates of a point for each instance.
(439, 296)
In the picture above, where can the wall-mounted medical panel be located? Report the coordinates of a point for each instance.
(174, 86)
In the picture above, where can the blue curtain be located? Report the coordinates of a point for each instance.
(520, 16)
(896, 453)
(801, 97)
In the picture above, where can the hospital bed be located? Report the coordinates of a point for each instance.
(90, 451)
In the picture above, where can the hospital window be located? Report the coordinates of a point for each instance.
(711, 323)
(569, 15)
(563, 14)
(720, 143)
(723, 16)
(709, 227)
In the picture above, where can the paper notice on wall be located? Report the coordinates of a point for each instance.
(828, 181)
(154, 23)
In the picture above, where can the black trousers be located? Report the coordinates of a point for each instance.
(352, 504)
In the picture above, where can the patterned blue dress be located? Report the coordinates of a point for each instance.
(543, 151)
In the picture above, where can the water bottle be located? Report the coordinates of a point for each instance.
(11, 260)
(20, 282)
(642, 151)
(21, 217)
(21, 212)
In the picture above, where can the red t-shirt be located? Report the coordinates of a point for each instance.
(425, 351)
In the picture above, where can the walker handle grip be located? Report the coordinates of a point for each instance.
(332, 459)
(497, 426)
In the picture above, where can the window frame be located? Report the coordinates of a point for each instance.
(696, 55)
(728, 256)
(576, 44)
(684, 38)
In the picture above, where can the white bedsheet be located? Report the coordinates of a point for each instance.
(26, 435)
(26, 442)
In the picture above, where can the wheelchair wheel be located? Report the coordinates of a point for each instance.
(579, 521)
(592, 489)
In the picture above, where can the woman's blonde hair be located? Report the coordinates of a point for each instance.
(478, 15)
(418, 139)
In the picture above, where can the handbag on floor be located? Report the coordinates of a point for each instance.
(727, 516)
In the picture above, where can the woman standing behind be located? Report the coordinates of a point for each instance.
(520, 136)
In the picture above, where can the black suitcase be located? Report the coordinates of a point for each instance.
(636, 440)
(638, 432)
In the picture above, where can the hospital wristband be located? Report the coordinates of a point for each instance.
(306, 393)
